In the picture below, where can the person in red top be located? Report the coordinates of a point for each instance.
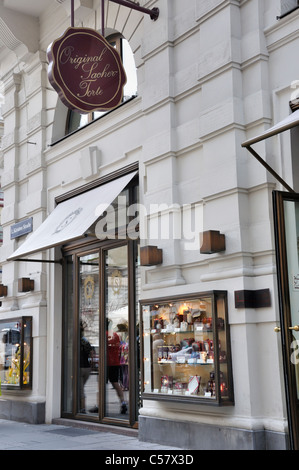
(85, 368)
(113, 363)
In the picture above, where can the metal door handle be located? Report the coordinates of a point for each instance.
(296, 328)
(277, 329)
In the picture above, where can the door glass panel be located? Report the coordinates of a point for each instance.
(291, 211)
(67, 403)
(96, 335)
(117, 333)
(137, 333)
(223, 348)
(88, 396)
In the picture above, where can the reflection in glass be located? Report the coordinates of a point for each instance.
(223, 360)
(138, 389)
(68, 355)
(291, 211)
(27, 328)
(88, 328)
(117, 335)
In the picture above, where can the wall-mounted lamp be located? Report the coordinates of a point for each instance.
(212, 241)
(150, 256)
(3, 290)
(25, 284)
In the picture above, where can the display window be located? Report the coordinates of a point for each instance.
(186, 348)
(16, 353)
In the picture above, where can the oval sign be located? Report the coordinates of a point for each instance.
(86, 71)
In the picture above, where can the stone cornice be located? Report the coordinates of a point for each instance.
(18, 32)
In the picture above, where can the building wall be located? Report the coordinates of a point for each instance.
(210, 75)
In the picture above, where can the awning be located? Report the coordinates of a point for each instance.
(71, 219)
(286, 124)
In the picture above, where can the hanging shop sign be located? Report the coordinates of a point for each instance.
(21, 228)
(86, 71)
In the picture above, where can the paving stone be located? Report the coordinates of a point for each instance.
(21, 436)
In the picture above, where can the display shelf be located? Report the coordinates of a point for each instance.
(186, 348)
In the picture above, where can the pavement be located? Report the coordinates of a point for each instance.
(23, 436)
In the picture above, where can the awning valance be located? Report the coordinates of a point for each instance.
(72, 218)
(286, 124)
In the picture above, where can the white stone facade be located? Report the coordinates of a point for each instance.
(210, 75)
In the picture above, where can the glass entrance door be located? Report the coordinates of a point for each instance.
(117, 333)
(88, 334)
(101, 380)
(286, 214)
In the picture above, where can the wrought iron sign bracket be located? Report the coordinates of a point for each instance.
(154, 13)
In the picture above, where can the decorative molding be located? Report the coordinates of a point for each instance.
(18, 32)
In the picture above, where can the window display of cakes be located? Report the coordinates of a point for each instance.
(186, 347)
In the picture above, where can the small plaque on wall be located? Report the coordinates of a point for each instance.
(21, 228)
(252, 298)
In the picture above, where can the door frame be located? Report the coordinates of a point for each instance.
(292, 403)
(132, 366)
(77, 251)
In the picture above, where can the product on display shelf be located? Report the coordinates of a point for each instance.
(193, 385)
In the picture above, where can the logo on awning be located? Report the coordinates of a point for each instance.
(67, 220)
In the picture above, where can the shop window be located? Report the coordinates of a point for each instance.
(76, 120)
(186, 349)
(294, 133)
(287, 6)
(16, 353)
